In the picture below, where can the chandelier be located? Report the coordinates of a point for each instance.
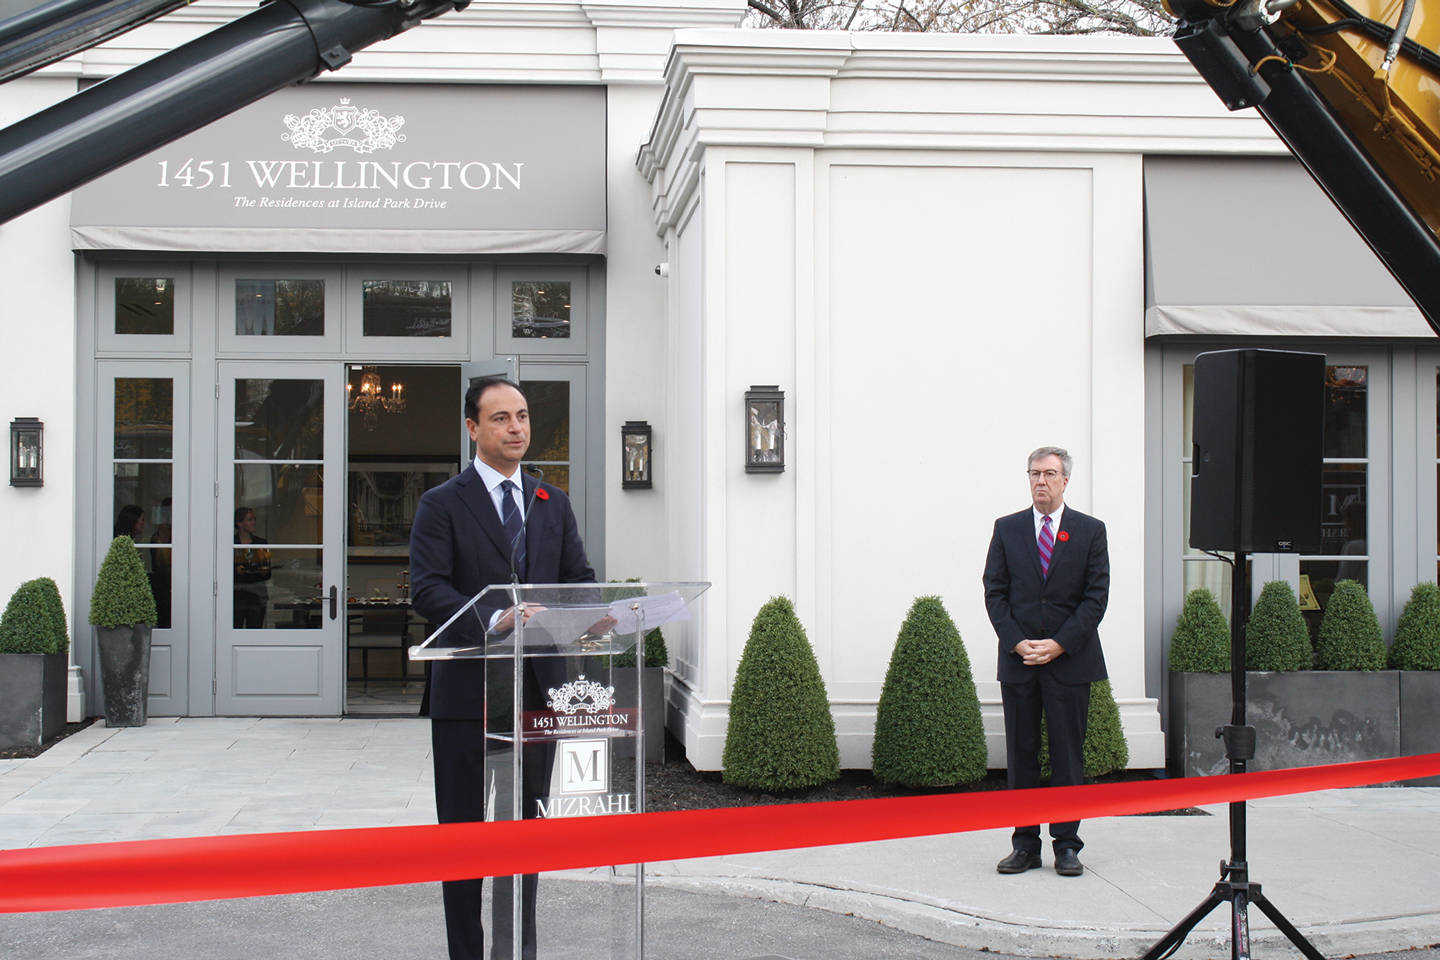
(370, 400)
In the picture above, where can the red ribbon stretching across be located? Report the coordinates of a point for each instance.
(252, 865)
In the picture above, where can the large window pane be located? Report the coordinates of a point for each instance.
(286, 499)
(1343, 510)
(146, 488)
(1346, 409)
(144, 418)
(406, 308)
(278, 589)
(145, 306)
(142, 510)
(549, 402)
(280, 308)
(279, 419)
(540, 309)
(1344, 494)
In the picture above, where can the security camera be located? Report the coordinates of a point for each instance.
(662, 269)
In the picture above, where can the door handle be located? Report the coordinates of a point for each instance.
(334, 602)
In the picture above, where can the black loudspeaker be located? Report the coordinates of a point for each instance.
(1259, 443)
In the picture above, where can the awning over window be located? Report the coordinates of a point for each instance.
(1252, 246)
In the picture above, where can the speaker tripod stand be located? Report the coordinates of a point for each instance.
(1235, 886)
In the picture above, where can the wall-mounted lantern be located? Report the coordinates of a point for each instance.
(27, 458)
(765, 430)
(635, 453)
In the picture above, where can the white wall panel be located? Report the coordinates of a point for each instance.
(636, 347)
(759, 324)
(960, 301)
(37, 272)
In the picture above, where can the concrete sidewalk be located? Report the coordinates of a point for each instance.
(1357, 870)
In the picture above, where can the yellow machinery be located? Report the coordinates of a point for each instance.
(1354, 91)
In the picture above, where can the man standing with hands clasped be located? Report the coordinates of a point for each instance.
(1047, 581)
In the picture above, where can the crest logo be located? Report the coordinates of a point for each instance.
(581, 694)
(381, 133)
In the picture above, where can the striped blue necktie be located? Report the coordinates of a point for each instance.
(514, 526)
(1047, 546)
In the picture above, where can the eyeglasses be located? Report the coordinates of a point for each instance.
(1047, 474)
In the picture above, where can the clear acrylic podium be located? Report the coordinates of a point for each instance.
(563, 734)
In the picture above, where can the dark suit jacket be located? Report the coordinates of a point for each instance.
(458, 547)
(1065, 607)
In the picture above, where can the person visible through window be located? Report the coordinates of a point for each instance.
(252, 570)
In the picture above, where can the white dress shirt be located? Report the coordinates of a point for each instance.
(1039, 519)
(492, 479)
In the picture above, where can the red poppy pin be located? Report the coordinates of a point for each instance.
(540, 494)
(1064, 535)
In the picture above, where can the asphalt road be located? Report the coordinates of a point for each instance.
(405, 923)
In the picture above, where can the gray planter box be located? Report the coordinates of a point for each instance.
(1301, 719)
(124, 673)
(32, 697)
(1420, 718)
(652, 684)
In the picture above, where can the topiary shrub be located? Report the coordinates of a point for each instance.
(928, 731)
(1201, 641)
(656, 654)
(1276, 637)
(1417, 632)
(1105, 746)
(122, 594)
(1350, 637)
(781, 735)
(34, 620)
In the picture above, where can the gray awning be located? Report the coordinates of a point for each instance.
(368, 168)
(1252, 246)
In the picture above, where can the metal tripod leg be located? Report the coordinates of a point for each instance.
(1240, 922)
(1284, 925)
(1177, 934)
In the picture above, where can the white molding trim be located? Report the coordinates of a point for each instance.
(701, 726)
(531, 42)
(951, 92)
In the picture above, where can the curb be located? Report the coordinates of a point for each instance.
(974, 932)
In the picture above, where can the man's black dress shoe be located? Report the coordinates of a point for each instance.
(1067, 864)
(1019, 862)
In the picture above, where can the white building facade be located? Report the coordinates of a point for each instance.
(945, 250)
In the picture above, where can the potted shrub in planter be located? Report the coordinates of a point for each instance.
(1416, 654)
(1277, 649)
(34, 643)
(651, 676)
(1199, 683)
(1347, 709)
(122, 609)
(1276, 637)
(652, 690)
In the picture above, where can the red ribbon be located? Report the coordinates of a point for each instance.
(216, 868)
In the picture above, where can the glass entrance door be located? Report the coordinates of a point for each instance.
(281, 618)
(144, 435)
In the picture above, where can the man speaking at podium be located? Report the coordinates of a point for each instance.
(1047, 581)
(480, 528)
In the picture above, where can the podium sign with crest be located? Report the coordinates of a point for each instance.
(560, 741)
